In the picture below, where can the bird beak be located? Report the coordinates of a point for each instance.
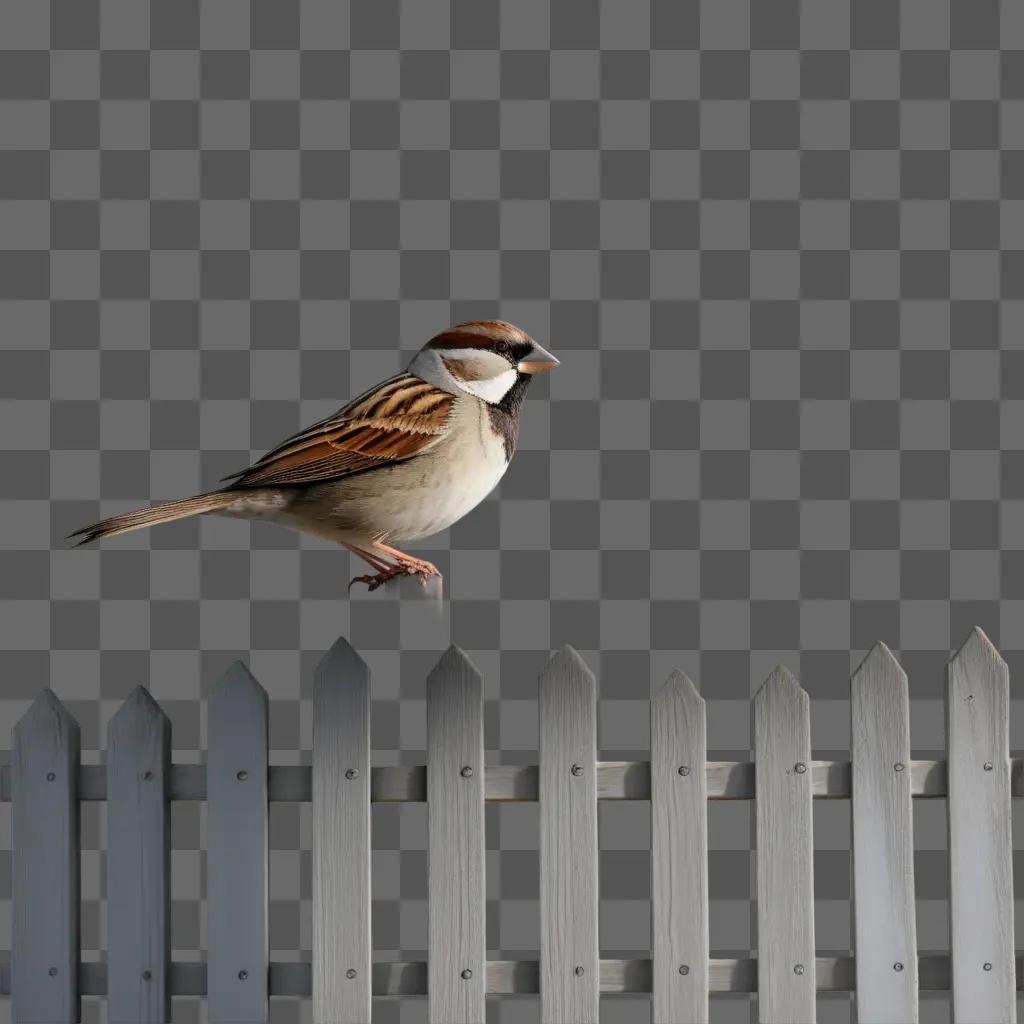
(538, 361)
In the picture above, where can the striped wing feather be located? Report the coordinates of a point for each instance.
(390, 423)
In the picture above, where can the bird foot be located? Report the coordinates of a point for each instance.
(418, 567)
(408, 566)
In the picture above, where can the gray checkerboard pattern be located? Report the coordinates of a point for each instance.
(780, 251)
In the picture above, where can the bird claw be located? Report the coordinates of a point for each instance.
(409, 567)
(372, 582)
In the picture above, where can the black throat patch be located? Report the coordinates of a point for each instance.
(505, 414)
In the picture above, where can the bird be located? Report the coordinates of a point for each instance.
(404, 460)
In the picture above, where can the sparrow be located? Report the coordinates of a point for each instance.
(404, 460)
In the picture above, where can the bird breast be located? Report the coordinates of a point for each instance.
(419, 497)
(437, 489)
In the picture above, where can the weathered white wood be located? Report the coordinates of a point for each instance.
(45, 864)
(980, 841)
(138, 862)
(237, 853)
(455, 817)
(568, 842)
(679, 853)
(785, 852)
(341, 838)
(883, 842)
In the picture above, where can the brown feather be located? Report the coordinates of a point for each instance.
(165, 512)
(393, 422)
(478, 334)
(463, 369)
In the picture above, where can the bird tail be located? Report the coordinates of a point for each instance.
(165, 512)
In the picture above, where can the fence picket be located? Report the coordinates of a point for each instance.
(455, 816)
(236, 793)
(679, 853)
(138, 862)
(883, 841)
(980, 841)
(569, 977)
(45, 868)
(342, 948)
(785, 851)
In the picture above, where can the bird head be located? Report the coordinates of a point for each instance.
(485, 358)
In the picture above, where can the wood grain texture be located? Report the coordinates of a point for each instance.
(236, 857)
(785, 852)
(679, 853)
(568, 842)
(45, 871)
(138, 862)
(883, 841)
(341, 838)
(980, 841)
(457, 895)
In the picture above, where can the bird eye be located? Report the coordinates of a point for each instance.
(501, 347)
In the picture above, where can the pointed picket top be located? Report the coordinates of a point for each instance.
(781, 683)
(237, 683)
(977, 651)
(566, 664)
(679, 687)
(138, 711)
(454, 663)
(45, 715)
(340, 661)
(879, 667)
(978, 678)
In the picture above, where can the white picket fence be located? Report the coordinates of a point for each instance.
(46, 781)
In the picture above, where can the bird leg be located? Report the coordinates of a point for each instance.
(403, 565)
(385, 570)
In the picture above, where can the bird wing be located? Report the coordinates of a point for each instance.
(392, 422)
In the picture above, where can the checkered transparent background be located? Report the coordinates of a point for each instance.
(779, 249)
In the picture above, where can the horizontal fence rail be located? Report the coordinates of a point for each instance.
(522, 977)
(46, 784)
(616, 780)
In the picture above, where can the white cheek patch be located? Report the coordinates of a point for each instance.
(484, 374)
(490, 389)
